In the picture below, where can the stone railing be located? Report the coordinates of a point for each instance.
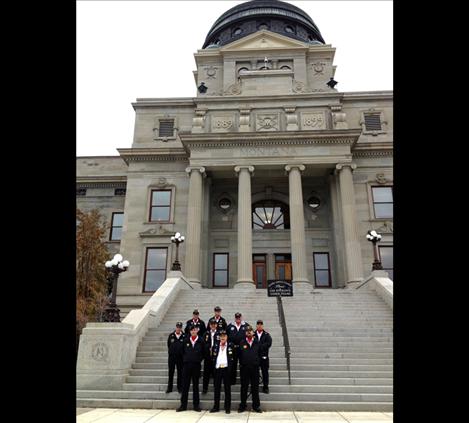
(379, 282)
(107, 350)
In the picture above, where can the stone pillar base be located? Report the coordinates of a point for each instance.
(245, 286)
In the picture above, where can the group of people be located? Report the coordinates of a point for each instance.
(220, 346)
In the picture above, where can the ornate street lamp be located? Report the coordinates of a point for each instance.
(177, 239)
(375, 237)
(115, 266)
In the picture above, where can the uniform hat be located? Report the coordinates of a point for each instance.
(179, 324)
(193, 327)
(260, 322)
(217, 308)
(222, 332)
(248, 328)
(238, 314)
(195, 311)
(212, 321)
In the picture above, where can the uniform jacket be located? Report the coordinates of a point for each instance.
(175, 346)
(266, 343)
(229, 353)
(208, 340)
(235, 335)
(193, 354)
(221, 324)
(249, 355)
(200, 324)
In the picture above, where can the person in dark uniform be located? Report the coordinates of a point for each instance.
(175, 347)
(249, 354)
(221, 322)
(198, 323)
(222, 359)
(193, 353)
(265, 340)
(236, 332)
(210, 337)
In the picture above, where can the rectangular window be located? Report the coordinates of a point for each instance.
(119, 191)
(160, 209)
(373, 122)
(387, 261)
(220, 269)
(166, 128)
(81, 191)
(382, 202)
(155, 268)
(116, 226)
(322, 271)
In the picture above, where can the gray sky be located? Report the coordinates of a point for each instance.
(130, 49)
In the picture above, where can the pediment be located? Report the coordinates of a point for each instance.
(263, 40)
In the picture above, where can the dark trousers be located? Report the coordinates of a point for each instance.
(174, 362)
(190, 373)
(234, 367)
(208, 371)
(265, 371)
(225, 376)
(250, 375)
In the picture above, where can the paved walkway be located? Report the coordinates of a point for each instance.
(108, 415)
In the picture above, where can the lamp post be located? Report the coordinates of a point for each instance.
(375, 237)
(115, 266)
(177, 239)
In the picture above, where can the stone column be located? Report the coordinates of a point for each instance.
(297, 227)
(194, 225)
(245, 280)
(353, 256)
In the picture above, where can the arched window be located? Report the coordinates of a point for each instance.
(270, 214)
(285, 67)
(242, 70)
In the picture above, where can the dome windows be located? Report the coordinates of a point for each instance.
(289, 29)
(242, 70)
(237, 31)
(262, 26)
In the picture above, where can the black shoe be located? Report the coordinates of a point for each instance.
(181, 409)
(169, 390)
(227, 411)
(257, 410)
(214, 410)
(265, 389)
(204, 391)
(197, 409)
(241, 409)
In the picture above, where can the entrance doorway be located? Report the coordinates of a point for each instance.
(283, 268)
(259, 270)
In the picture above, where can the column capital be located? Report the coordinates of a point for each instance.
(340, 166)
(250, 169)
(189, 169)
(300, 167)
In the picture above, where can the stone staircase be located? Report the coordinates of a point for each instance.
(341, 352)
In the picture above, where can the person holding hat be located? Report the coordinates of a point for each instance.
(210, 338)
(198, 323)
(249, 355)
(193, 353)
(221, 322)
(175, 347)
(222, 361)
(265, 341)
(236, 332)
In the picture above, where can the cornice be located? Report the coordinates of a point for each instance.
(375, 149)
(368, 95)
(161, 102)
(373, 153)
(151, 154)
(101, 182)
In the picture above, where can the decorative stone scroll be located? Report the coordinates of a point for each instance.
(198, 121)
(244, 120)
(339, 118)
(299, 87)
(292, 119)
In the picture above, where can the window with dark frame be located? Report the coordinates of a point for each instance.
(322, 270)
(160, 208)
(220, 269)
(372, 121)
(166, 128)
(155, 268)
(387, 259)
(116, 226)
(382, 202)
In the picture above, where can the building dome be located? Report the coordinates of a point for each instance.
(255, 15)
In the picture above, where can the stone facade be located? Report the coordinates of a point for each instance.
(273, 134)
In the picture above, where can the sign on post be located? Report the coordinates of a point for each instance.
(279, 288)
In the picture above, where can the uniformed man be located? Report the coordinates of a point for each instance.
(265, 340)
(249, 354)
(175, 347)
(193, 353)
(221, 322)
(236, 332)
(195, 321)
(210, 337)
(222, 356)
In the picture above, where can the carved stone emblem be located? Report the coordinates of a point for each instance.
(299, 87)
(313, 121)
(267, 123)
(380, 178)
(159, 231)
(211, 72)
(318, 67)
(100, 352)
(234, 89)
(385, 228)
(162, 182)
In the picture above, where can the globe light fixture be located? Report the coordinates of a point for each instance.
(177, 239)
(114, 267)
(375, 237)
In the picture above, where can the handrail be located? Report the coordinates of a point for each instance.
(286, 342)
